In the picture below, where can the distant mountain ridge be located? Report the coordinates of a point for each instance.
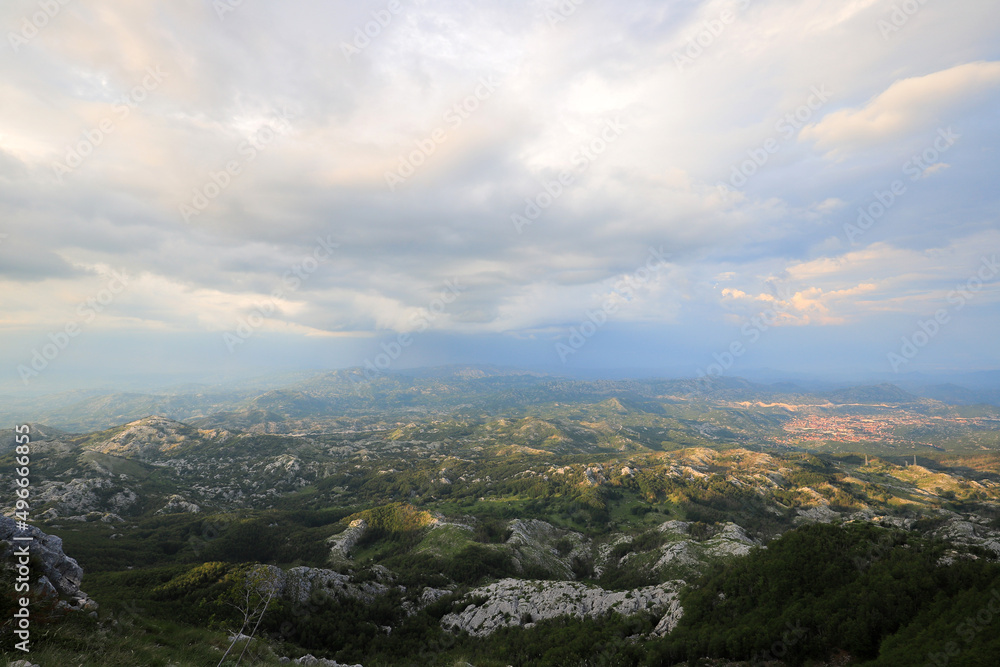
(883, 393)
(354, 391)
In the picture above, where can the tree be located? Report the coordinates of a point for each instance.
(252, 592)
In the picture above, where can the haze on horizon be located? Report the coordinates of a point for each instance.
(209, 186)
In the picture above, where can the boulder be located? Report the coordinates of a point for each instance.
(61, 571)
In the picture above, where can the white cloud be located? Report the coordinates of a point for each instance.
(656, 185)
(908, 105)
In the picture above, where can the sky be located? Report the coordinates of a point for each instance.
(231, 186)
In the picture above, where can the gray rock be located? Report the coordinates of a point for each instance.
(536, 543)
(44, 588)
(818, 514)
(962, 530)
(178, 505)
(431, 595)
(299, 584)
(670, 619)
(679, 527)
(729, 540)
(319, 662)
(62, 572)
(342, 543)
(678, 553)
(515, 602)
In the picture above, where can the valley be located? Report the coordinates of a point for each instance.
(446, 516)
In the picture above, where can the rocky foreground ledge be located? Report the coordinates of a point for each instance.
(519, 602)
(60, 575)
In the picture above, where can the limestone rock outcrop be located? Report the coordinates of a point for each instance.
(58, 575)
(517, 602)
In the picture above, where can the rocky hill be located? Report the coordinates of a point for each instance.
(470, 511)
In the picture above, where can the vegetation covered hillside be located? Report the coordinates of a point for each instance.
(503, 521)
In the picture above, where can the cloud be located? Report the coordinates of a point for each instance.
(908, 105)
(25, 260)
(935, 168)
(811, 306)
(557, 86)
